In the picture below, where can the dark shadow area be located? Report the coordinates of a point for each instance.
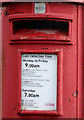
(61, 26)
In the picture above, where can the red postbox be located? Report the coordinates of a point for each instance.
(41, 60)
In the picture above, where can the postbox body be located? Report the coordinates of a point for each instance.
(41, 42)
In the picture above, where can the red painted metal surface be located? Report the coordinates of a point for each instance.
(0, 64)
(76, 1)
(82, 62)
(71, 58)
(80, 53)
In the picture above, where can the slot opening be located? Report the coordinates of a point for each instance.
(41, 28)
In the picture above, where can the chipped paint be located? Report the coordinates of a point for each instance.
(75, 94)
(33, 33)
(23, 37)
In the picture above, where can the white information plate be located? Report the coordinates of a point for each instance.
(39, 82)
(40, 8)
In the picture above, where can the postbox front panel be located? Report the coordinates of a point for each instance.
(39, 60)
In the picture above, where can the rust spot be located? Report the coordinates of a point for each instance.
(18, 113)
(75, 94)
(14, 108)
(69, 100)
(6, 12)
(18, 104)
